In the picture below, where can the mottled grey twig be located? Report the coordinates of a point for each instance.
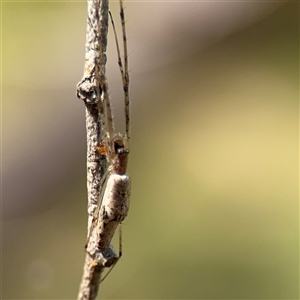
(88, 91)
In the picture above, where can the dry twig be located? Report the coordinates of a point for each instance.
(88, 91)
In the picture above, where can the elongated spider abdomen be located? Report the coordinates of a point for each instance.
(114, 208)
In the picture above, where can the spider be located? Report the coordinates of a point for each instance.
(114, 200)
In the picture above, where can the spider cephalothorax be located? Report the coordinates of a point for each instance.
(117, 157)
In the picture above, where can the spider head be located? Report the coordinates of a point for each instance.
(121, 152)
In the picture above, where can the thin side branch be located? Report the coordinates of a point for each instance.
(88, 91)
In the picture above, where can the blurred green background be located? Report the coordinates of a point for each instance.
(214, 162)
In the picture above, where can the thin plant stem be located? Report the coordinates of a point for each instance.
(88, 91)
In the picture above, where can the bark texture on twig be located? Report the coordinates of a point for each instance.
(88, 91)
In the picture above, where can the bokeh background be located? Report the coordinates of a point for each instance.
(214, 161)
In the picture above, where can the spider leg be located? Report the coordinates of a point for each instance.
(108, 113)
(126, 74)
(123, 70)
(104, 107)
